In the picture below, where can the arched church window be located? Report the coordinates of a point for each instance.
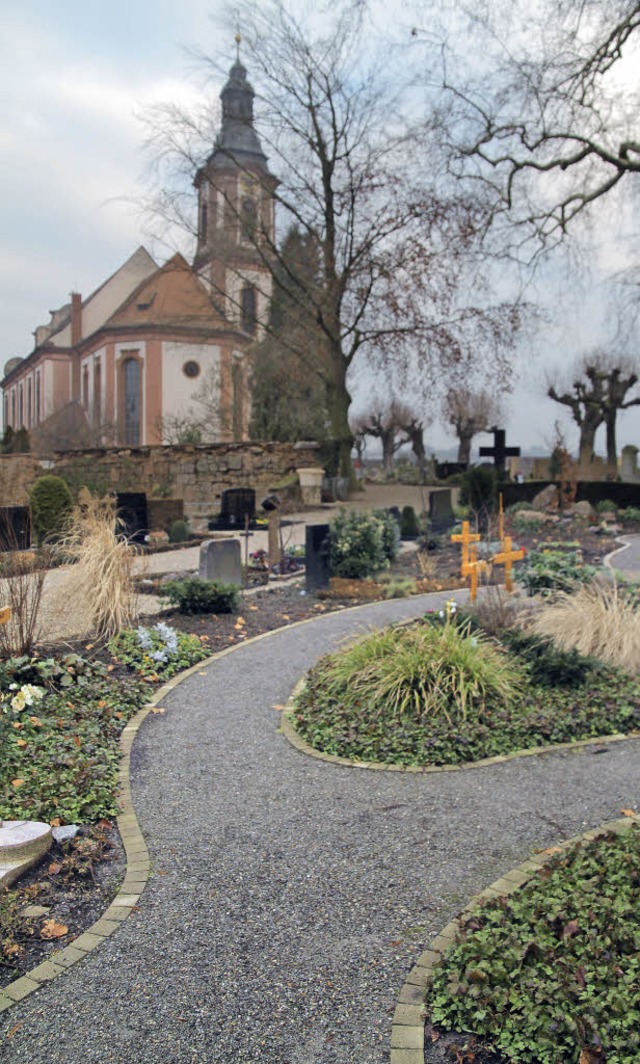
(204, 220)
(248, 310)
(249, 218)
(132, 401)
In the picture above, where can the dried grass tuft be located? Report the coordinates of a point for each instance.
(100, 583)
(21, 586)
(599, 620)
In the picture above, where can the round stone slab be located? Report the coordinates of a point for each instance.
(22, 844)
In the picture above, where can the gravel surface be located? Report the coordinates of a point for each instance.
(291, 897)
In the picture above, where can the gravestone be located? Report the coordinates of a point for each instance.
(15, 528)
(316, 557)
(220, 561)
(236, 506)
(441, 515)
(131, 511)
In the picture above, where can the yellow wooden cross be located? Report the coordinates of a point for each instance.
(507, 557)
(501, 520)
(466, 538)
(473, 568)
(5, 614)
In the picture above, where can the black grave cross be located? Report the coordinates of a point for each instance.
(499, 452)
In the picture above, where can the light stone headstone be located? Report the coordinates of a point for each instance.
(220, 561)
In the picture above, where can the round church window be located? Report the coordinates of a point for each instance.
(191, 369)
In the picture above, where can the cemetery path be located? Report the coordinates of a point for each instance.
(290, 897)
(626, 559)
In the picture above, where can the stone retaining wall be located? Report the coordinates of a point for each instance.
(196, 474)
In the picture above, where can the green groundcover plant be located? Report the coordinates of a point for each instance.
(439, 692)
(59, 727)
(551, 973)
(548, 569)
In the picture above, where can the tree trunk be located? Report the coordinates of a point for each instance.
(388, 440)
(338, 403)
(588, 431)
(612, 450)
(464, 447)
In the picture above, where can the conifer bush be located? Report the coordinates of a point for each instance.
(51, 504)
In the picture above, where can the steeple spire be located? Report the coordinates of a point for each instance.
(237, 140)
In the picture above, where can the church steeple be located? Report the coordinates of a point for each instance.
(237, 140)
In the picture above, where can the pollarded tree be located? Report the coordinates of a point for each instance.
(598, 391)
(470, 412)
(382, 422)
(393, 249)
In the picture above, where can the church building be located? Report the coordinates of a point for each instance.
(115, 367)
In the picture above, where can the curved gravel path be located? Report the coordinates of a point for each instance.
(290, 897)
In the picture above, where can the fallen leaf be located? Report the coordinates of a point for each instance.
(202, 672)
(240, 621)
(54, 868)
(17, 783)
(11, 951)
(277, 706)
(254, 609)
(56, 822)
(77, 740)
(158, 709)
(70, 705)
(37, 723)
(16, 1027)
(118, 715)
(52, 929)
(101, 703)
(570, 929)
(551, 849)
(285, 616)
(21, 742)
(628, 812)
(18, 724)
(89, 646)
(590, 1056)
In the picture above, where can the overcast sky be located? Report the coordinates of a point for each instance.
(74, 77)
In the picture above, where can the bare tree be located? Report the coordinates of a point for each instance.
(548, 122)
(414, 426)
(470, 412)
(393, 249)
(383, 423)
(598, 390)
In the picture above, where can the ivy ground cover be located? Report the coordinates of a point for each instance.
(551, 973)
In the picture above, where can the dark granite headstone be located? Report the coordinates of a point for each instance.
(316, 557)
(131, 510)
(15, 528)
(441, 515)
(237, 506)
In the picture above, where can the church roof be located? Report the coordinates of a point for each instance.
(237, 140)
(173, 296)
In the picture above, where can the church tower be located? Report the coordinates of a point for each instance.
(236, 217)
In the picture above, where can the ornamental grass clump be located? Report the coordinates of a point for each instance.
(100, 585)
(422, 671)
(599, 620)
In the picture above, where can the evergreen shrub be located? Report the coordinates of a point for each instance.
(195, 595)
(179, 531)
(51, 504)
(357, 544)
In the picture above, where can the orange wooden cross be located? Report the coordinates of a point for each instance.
(472, 568)
(507, 557)
(501, 520)
(5, 614)
(465, 537)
